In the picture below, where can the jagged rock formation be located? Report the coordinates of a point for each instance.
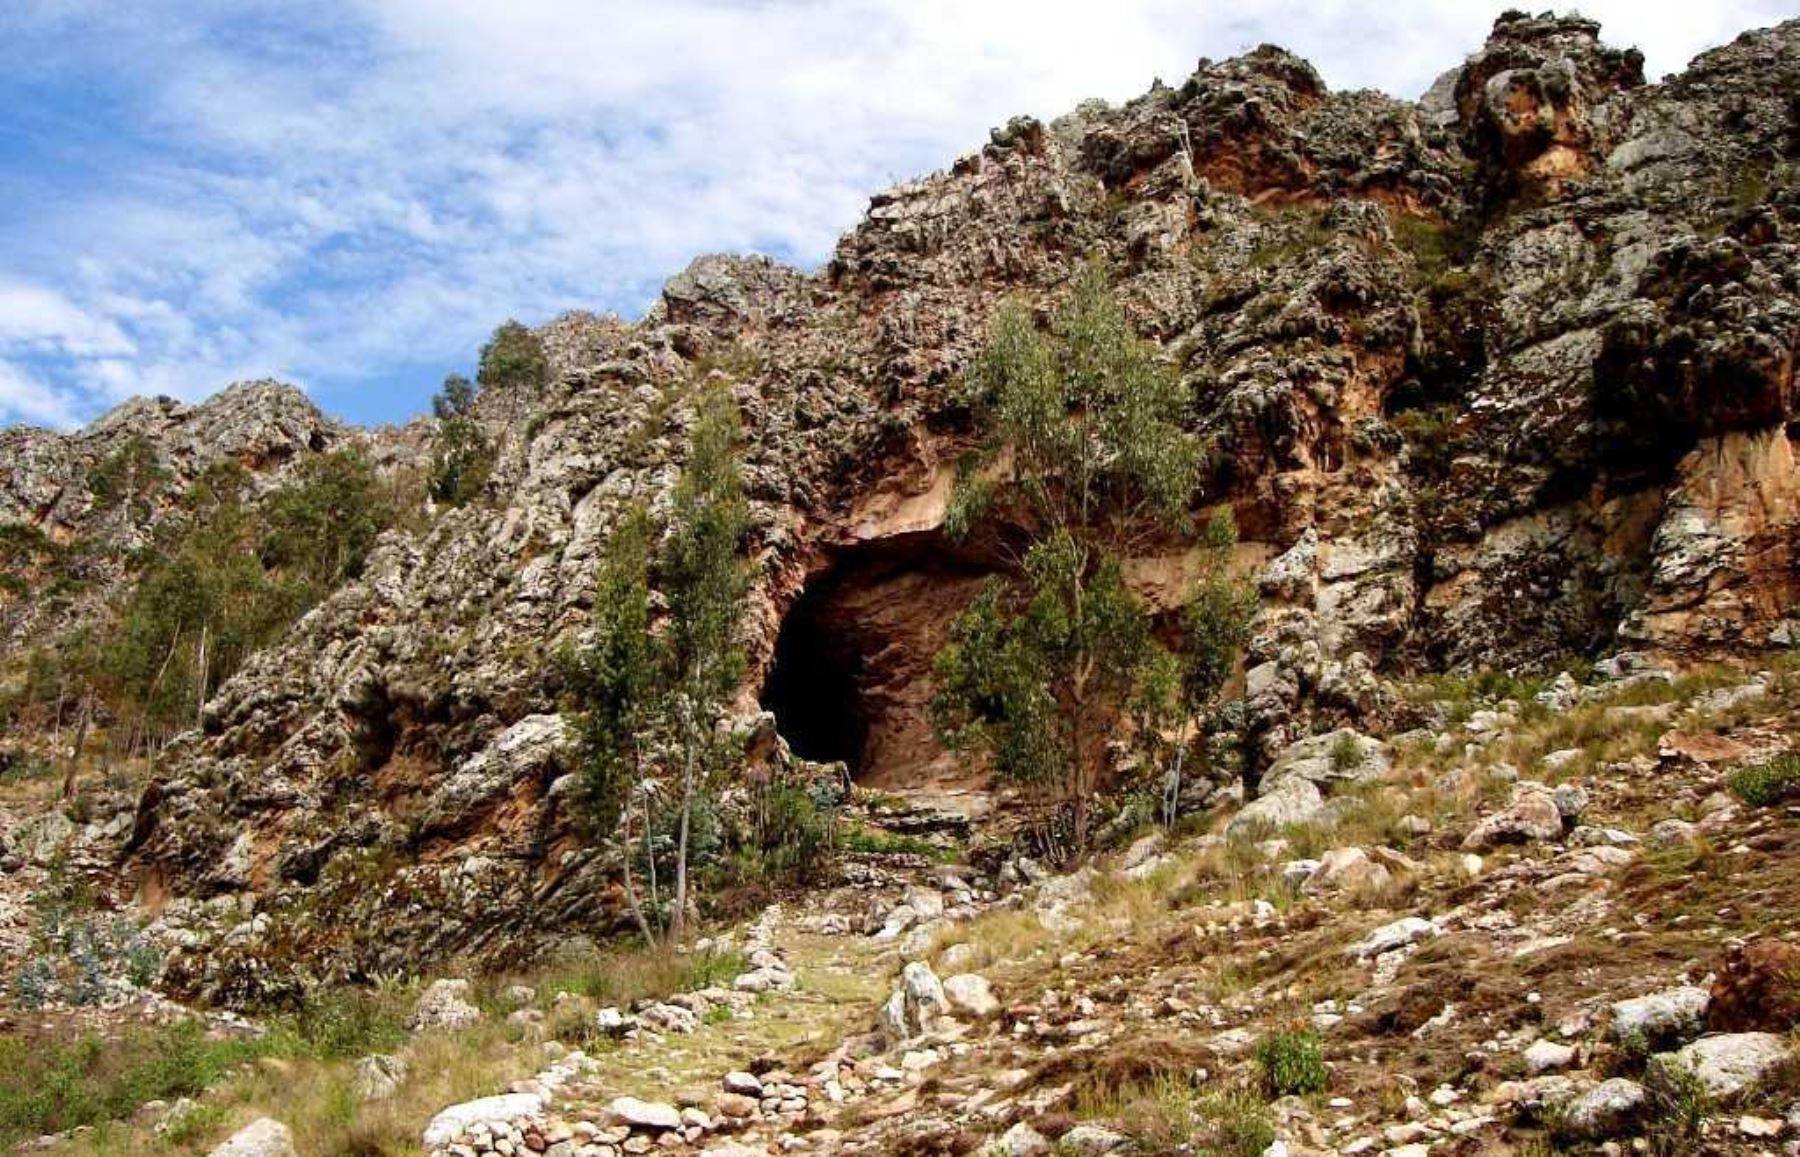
(55, 484)
(1491, 378)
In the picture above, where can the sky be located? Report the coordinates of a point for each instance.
(350, 194)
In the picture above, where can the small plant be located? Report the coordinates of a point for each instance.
(1678, 1108)
(1346, 753)
(1291, 1063)
(1768, 784)
(869, 842)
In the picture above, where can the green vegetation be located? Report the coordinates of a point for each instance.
(513, 358)
(50, 1085)
(648, 698)
(1180, 687)
(869, 842)
(1768, 784)
(230, 581)
(1084, 451)
(462, 458)
(1291, 1063)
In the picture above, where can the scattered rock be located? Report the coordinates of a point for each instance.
(971, 994)
(1609, 1109)
(443, 1006)
(264, 1137)
(1730, 1063)
(1668, 1017)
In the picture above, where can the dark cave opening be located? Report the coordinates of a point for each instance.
(850, 677)
(812, 684)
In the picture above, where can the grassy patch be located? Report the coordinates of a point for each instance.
(50, 1084)
(1291, 1063)
(1768, 784)
(865, 841)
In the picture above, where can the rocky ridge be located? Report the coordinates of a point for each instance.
(1492, 378)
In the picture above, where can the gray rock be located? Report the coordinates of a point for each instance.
(1609, 1109)
(1292, 801)
(443, 1006)
(1730, 1063)
(1088, 1138)
(448, 1124)
(264, 1137)
(971, 994)
(644, 1114)
(1532, 816)
(1402, 932)
(1019, 1141)
(1545, 1056)
(1670, 1016)
(378, 1077)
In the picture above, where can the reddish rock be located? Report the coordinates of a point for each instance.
(1758, 989)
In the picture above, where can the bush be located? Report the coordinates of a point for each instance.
(1767, 784)
(1291, 1063)
(48, 1085)
(513, 357)
(349, 1022)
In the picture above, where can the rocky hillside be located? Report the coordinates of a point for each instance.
(1492, 379)
(1497, 381)
(1500, 391)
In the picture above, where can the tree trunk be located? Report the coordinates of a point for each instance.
(678, 919)
(81, 730)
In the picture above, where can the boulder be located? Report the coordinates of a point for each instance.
(914, 1006)
(744, 1084)
(1019, 1141)
(1089, 1139)
(378, 1077)
(1292, 801)
(1402, 932)
(1532, 816)
(444, 1006)
(1348, 871)
(1668, 1017)
(264, 1137)
(1544, 1056)
(1730, 1063)
(457, 1119)
(636, 1114)
(1609, 1109)
(971, 994)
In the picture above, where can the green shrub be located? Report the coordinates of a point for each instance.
(513, 357)
(1768, 784)
(1346, 753)
(1291, 1063)
(349, 1022)
(869, 842)
(51, 1084)
(1678, 1107)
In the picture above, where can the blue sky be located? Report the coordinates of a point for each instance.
(350, 194)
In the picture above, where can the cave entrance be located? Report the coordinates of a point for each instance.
(850, 677)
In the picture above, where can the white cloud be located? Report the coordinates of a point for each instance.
(29, 400)
(347, 192)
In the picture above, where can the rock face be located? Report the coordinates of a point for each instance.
(1488, 379)
(71, 491)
